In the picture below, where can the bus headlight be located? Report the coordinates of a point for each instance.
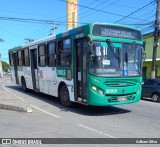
(100, 92)
(97, 89)
(94, 88)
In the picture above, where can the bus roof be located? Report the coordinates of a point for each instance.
(90, 25)
(39, 41)
(34, 43)
(15, 48)
(69, 33)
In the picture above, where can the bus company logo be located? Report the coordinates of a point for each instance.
(61, 73)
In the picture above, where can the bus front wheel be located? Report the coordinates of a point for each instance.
(64, 97)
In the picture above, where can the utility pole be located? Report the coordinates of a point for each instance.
(54, 29)
(29, 40)
(72, 14)
(156, 32)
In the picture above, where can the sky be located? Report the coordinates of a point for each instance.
(137, 13)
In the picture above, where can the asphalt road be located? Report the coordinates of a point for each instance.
(52, 120)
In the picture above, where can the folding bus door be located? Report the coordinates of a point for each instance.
(80, 64)
(34, 69)
(15, 67)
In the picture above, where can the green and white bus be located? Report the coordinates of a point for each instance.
(96, 64)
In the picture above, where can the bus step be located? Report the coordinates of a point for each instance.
(83, 103)
(36, 90)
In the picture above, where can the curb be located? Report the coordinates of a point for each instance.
(22, 108)
(15, 108)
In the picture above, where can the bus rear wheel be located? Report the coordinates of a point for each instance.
(64, 97)
(23, 82)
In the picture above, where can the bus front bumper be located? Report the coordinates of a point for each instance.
(97, 99)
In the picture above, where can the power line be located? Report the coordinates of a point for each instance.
(34, 20)
(120, 5)
(143, 24)
(135, 11)
(146, 16)
(102, 2)
(101, 10)
(11, 33)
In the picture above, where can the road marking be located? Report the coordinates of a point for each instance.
(30, 104)
(46, 111)
(96, 131)
(29, 109)
(14, 94)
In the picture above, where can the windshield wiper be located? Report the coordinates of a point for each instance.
(132, 44)
(110, 44)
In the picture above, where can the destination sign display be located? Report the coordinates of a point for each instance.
(116, 31)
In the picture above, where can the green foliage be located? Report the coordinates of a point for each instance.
(5, 66)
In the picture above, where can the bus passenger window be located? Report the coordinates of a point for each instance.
(42, 55)
(26, 57)
(19, 59)
(11, 58)
(64, 53)
(51, 55)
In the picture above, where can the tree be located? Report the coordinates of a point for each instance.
(5, 66)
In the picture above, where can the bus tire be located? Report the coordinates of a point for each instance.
(64, 96)
(23, 83)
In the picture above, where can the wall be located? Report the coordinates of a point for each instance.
(149, 40)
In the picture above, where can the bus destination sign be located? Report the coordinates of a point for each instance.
(116, 31)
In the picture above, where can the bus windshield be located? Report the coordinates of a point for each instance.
(120, 60)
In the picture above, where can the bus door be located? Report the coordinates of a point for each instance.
(34, 69)
(80, 60)
(15, 67)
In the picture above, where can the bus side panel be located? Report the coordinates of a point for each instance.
(20, 73)
(28, 77)
(13, 78)
(47, 80)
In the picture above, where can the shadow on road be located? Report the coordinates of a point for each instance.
(77, 108)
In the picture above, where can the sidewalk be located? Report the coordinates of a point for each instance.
(10, 101)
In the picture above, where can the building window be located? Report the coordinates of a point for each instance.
(20, 57)
(64, 52)
(26, 57)
(42, 55)
(51, 55)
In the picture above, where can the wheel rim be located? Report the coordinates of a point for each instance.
(65, 96)
(155, 97)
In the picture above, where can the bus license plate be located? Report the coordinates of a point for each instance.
(122, 99)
